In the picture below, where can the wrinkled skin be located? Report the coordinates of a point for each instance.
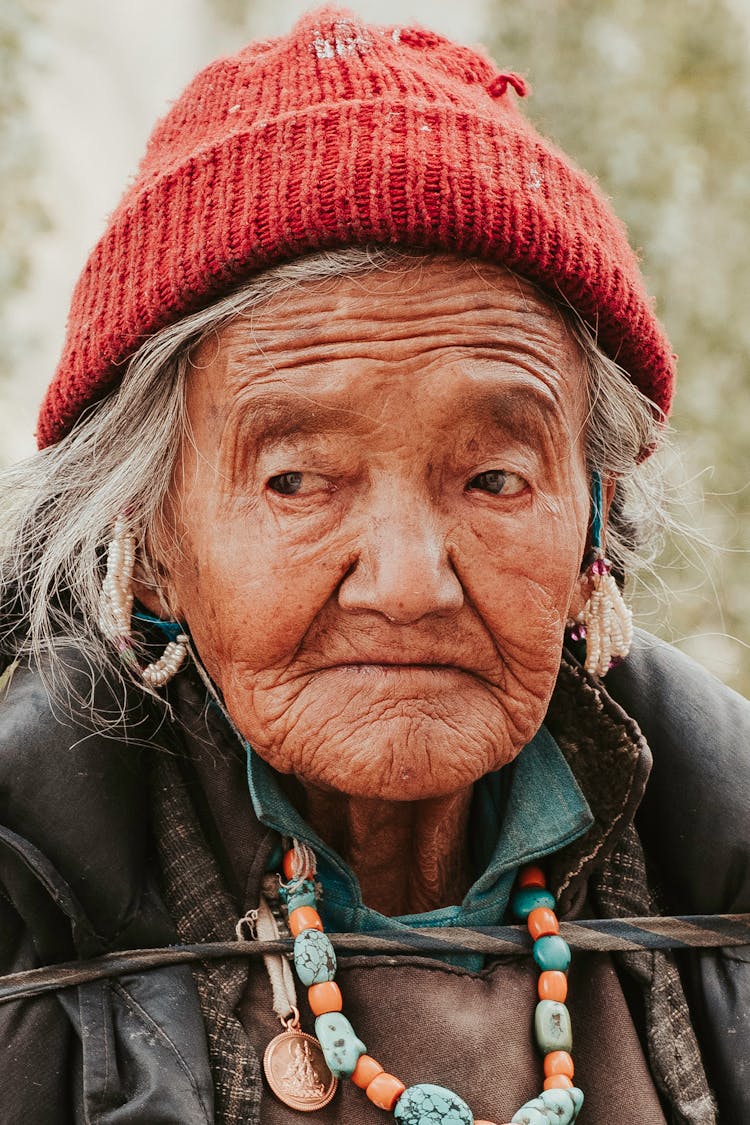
(383, 609)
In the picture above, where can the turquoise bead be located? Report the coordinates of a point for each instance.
(301, 900)
(302, 895)
(562, 1105)
(314, 957)
(432, 1105)
(552, 952)
(525, 899)
(340, 1044)
(552, 1027)
(552, 1107)
(529, 1114)
(275, 859)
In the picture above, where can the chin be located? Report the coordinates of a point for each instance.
(401, 763)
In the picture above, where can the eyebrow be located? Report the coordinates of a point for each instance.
(518, 399)
(272, 418)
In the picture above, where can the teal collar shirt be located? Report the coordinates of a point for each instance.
(519, 815)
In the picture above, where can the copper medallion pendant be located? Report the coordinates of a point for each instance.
(297, 1071)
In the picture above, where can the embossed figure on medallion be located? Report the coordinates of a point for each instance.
(300, 1077)
(297, 1072)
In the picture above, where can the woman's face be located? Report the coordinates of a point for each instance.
(381, 518)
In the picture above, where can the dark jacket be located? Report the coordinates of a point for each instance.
(76, 880)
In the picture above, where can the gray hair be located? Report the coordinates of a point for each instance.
(59, 506)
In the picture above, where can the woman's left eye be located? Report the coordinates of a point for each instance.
(497, 482)
(286, 484)
(297, 484)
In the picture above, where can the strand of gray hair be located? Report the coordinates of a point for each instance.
(59, 506)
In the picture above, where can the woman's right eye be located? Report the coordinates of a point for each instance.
(286, 484)
(497, 482)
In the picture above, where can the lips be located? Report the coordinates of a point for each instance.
(428, 664)
(459, 647)
(393, 667)
(400, 655)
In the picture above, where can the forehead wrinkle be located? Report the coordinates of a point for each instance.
(543, 337)
(537, 357)
(273, 411)
(282, 410)
(393, 327)
(306, 324)
(323, 312)
(543, 358)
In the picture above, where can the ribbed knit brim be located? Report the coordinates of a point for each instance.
(343, 133)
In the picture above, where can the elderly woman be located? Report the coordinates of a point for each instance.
(309, 602)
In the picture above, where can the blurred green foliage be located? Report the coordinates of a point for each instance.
(654, 100)
(234, 13)
(21, 215)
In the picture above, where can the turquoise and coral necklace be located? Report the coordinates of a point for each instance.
(303, 1070)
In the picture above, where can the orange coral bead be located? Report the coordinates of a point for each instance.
(542, 922)
(287, 864)
(553, 985)
(325, 997)
(558, 1062)
(558, 1082)
(384, 1091)
(366, 1069)
(304, 918)
(532, 876)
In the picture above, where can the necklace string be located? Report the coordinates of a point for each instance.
(293, 1067)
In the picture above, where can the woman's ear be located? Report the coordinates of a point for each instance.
(152, 586)
(150, 598)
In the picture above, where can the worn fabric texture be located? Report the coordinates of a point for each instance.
(203, 910)
(621, 890)
(344, 133)
(595, 735)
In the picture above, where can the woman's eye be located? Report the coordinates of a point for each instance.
(497, 482)
(286, 484)
(298, 484)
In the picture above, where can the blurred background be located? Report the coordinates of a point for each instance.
(652, 98)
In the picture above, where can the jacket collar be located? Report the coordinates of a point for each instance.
(611, 762)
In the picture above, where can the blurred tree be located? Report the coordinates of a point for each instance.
(654, 100)
(235, 13)
(21, 215)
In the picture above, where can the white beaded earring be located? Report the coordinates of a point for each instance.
(606, 623)
(116, 607)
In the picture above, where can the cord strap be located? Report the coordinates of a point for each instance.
(596, 935)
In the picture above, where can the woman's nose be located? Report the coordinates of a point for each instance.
(403, 569)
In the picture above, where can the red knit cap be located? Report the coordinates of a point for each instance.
(343, 133)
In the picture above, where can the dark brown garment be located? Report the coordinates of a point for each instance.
(426, 1020)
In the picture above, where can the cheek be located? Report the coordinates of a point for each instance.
(522, 581)
(247, 596)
